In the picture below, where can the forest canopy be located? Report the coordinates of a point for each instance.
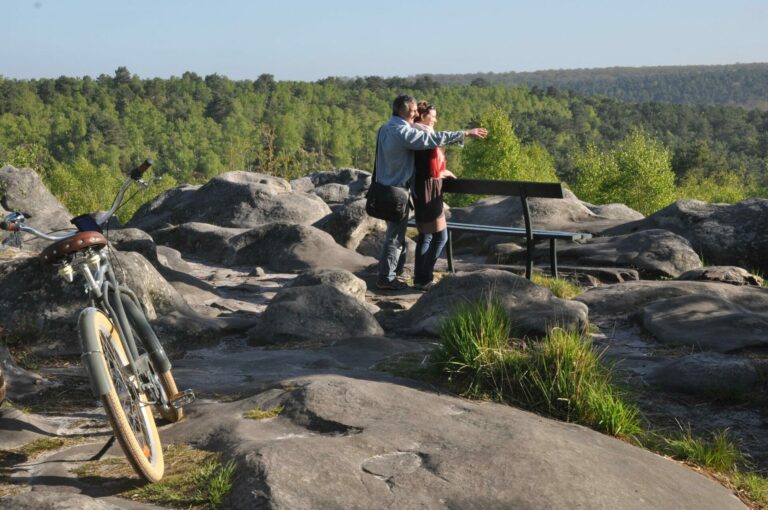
(75, 130)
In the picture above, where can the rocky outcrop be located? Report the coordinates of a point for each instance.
(723, 234)
(21, 189)
(313, 313)
(201, 240)
(289, 247)
(725, 274)
(357, 443)
(232, 199)
(708, 374)
(654, 253)
(707, 316)
(340, 186)
(532, 309)
(349, 224)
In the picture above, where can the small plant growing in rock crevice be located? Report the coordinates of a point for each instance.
(258, 413)
(560, 287)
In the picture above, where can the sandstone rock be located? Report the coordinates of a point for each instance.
(39, 308)
(356, 443)
(723, 234)
(48, 500)
(333, 193)
(133, 239)
(531, 308)
(708, 374)
(356, 181)
(349, 224)
(21, 189)
(615, 212)
(201, 240)
(318, 312)
(654, 253)
(232, 199)
(725, 274)
(288, 247)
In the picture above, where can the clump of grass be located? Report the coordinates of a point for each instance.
(45, 444)
(560, 287)
(752, 486)
(193, 478)
(560, 376)
(258, 413)
(206, 484)
(720, 453)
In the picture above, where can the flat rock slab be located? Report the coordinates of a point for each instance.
(531, 308)
(708, 374)
(705, 315)
(360, 444)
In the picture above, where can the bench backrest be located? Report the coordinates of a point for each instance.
(504, 188)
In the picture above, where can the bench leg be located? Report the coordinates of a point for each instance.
(449, 252)
(553, 256)
(529, 261)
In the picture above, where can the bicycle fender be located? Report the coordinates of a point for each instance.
(92, 356)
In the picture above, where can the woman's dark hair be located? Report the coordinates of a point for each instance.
(423, 107)
(399, 104)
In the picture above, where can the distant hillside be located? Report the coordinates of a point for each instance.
(744, 85)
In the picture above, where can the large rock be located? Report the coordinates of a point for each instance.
(654, 253)
(723, 234)
(705, 315)
(133, 239)
(531, 308)
(569, 214)
(341, 279)
(232, 199)
(726, 274)
(21, 189)
(339, 186)
(708, 374)
(287, 247)
(49, 500)
(349, 224)
(201, 240)
(318, 312)
(37, 307)
(361, 444)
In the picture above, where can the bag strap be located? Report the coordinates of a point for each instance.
(376, 155)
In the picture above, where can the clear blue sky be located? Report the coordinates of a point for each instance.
(309, 40)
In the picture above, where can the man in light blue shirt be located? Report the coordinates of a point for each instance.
(397, 140)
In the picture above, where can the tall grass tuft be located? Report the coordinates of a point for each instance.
(560, 376)
(719, 453)
(560, 287)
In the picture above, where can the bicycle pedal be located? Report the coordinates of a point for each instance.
(182, 398)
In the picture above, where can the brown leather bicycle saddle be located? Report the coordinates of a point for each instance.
(79, 241)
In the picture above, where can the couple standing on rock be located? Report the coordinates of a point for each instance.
(409, 155)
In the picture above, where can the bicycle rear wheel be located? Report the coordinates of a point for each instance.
(126, 405)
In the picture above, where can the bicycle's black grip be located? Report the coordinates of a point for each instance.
(137, 172)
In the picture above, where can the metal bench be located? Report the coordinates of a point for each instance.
(524, 190)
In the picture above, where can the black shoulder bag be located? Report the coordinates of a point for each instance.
(388, 203)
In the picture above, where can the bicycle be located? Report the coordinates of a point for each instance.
(125, 362)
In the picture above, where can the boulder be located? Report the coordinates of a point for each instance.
(355, 181)
(349, 224)
(133, 239)
(39, 308)
(708, 374)
(340, 279)
(21, 189)
(201, 240)
(358, 443)
(568, 214)
(615, 212)
(724, 234)
(532, 309)
(333, 193)
(725, 274)
(232, 199)
(654, 253)
(704, 315)
(285, 247)
(317, 312)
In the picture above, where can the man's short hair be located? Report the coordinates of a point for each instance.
(399, 107)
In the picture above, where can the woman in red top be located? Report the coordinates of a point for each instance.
(427, 190)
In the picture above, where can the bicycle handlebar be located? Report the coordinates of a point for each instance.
(14, 221)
